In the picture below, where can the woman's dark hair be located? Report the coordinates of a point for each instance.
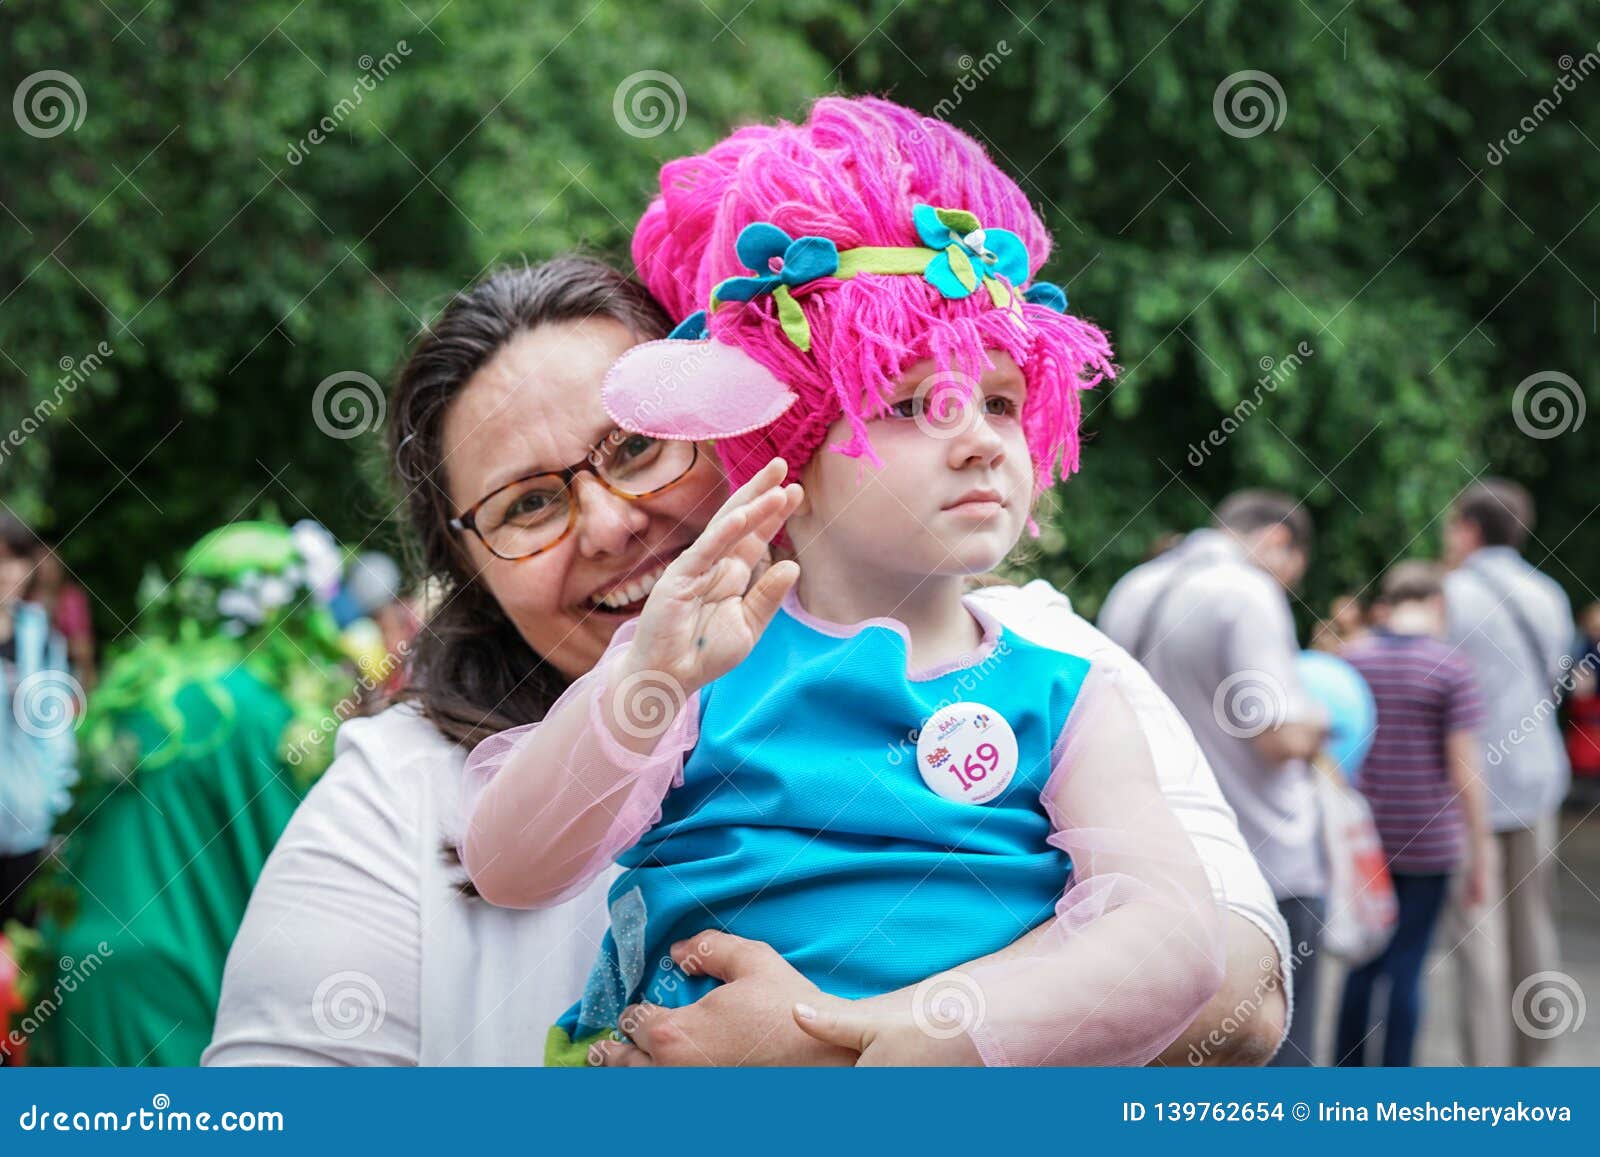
(471, 672)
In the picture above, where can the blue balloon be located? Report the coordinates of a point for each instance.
(1345, 696)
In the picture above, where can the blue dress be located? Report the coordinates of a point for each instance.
(803, 821)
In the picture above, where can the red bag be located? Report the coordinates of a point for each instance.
(1362, 910)
(1583, 735)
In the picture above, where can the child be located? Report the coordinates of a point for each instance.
(1422, 777)
(840, 756)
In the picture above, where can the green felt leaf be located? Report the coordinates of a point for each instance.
(793, 319)
(960, 220)
(962, 264)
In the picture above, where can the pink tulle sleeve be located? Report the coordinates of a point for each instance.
(550, 805)
(1136, 948)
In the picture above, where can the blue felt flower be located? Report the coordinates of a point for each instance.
(790, 262)
(969, 255)
(1047, 294)
(691, 328)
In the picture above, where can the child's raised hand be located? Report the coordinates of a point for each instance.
(705, 614)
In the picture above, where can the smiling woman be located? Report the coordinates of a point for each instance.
(362, 945)
(490, 413)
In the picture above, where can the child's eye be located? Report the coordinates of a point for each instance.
(1000, 406)
(909, 408)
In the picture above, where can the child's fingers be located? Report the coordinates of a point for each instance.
(766, 517)
(724, 536)
(714, 543)
(767, 478)
(741, 535)
(763, 599)
(764, 479)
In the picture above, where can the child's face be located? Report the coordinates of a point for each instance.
(955, 488)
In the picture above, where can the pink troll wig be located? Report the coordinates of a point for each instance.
(852, 172)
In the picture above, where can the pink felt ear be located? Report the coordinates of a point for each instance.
(692, 391)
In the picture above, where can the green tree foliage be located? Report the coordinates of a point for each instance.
(1370, 224)
(1397, 281)
(232, 264)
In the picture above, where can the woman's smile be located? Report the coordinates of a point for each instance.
(625, 593)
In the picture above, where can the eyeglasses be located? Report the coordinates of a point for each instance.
(532, 514)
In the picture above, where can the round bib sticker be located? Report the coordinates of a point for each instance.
(967, 752)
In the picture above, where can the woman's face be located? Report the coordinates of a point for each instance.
(535, 406)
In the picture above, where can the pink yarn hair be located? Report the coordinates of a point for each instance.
(852, 173)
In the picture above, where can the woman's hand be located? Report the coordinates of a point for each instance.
(712, 604)
(747, 1020)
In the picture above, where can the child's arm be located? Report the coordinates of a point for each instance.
(1132, 956)
(549, 805)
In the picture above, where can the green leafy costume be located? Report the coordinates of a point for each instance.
(200, 742)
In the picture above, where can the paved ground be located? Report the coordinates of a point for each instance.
(1578, 892)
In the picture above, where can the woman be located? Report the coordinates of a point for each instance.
(361, 945)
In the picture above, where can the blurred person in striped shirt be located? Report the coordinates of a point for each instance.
(1423, 778)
